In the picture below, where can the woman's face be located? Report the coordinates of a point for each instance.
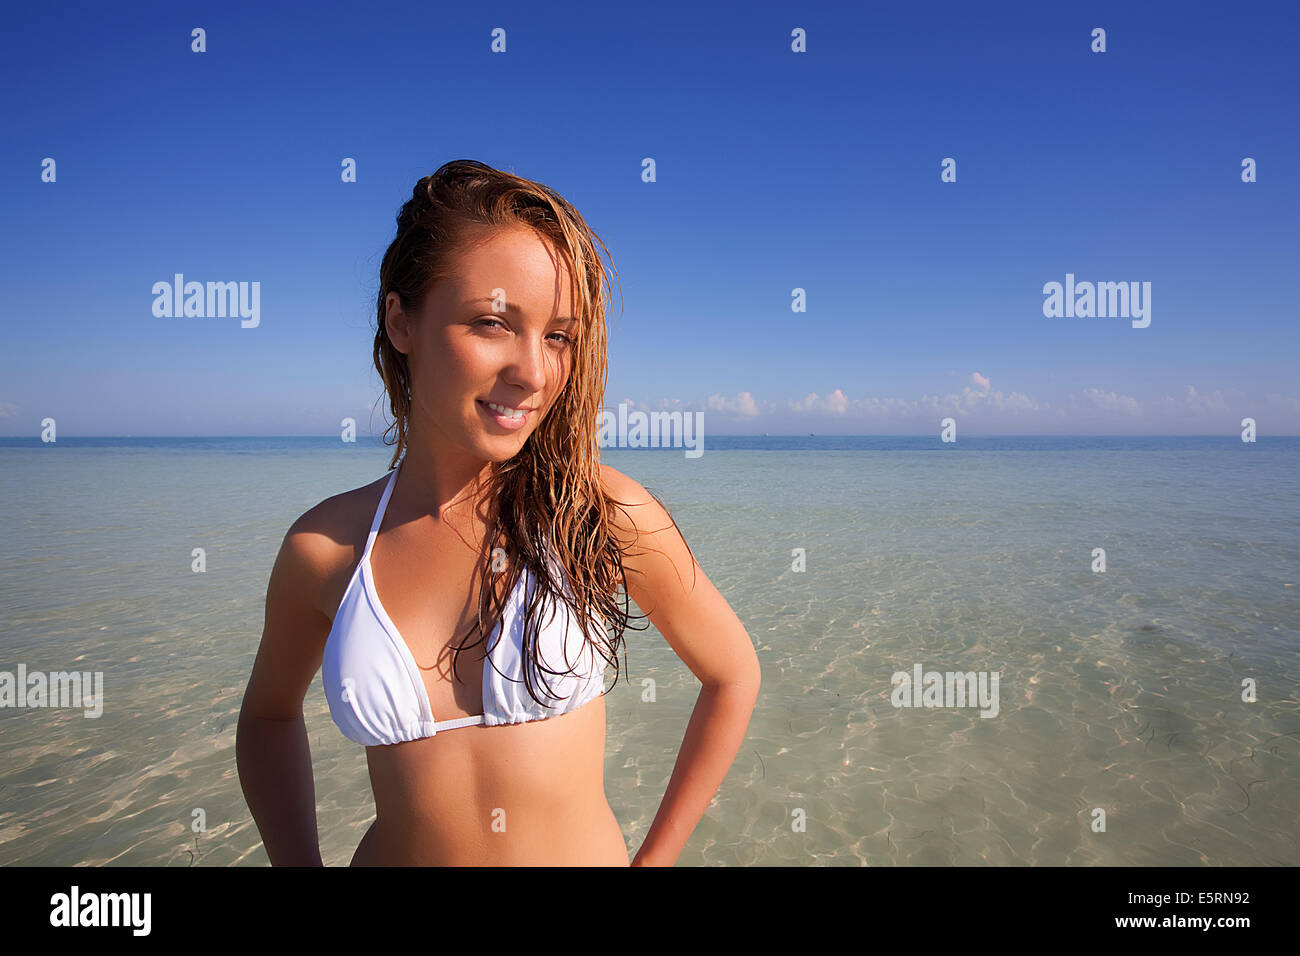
(500, 331)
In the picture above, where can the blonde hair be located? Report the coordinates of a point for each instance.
(547, 499)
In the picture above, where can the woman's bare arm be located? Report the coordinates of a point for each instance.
(271, 749)
(672, 590)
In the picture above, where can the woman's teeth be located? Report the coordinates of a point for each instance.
(507, 412)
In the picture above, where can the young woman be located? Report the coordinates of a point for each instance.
(464, 607)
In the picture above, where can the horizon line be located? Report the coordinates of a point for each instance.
(37, 439)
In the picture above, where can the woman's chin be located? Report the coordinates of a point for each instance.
(501, 447)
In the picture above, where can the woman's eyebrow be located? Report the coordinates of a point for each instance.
(514, 309)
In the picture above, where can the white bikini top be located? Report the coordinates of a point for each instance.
(376, 694)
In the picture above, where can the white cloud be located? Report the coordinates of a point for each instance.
(1194, 403)
(836, 403)
(1091, 410)
(743, 404)
(1111, 401)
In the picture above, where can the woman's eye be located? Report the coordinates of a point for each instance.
(491, 323)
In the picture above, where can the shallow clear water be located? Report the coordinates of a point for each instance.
(1119, 690)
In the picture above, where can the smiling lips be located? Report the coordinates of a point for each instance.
(506, 409)
(504, 415)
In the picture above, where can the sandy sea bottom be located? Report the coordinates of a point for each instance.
(1120, 695)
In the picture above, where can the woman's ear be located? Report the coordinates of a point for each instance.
(397, 324)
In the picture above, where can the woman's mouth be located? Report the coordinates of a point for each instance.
(504, 416)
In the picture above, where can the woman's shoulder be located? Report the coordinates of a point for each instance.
(638, 512)
(336, 517)
(621, 489)
(619, 485)
(327, 540)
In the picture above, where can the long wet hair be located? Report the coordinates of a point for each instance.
(551, 490)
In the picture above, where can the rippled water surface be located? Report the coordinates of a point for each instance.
(1121, 693)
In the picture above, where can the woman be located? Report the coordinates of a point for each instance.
(458, 607)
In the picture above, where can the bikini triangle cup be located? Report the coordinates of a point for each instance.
(376, 693)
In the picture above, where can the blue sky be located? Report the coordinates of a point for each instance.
(776, 170)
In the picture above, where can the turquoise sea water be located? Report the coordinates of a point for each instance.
(1119, 691)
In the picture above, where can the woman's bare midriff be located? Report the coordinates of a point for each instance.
(527, 794)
